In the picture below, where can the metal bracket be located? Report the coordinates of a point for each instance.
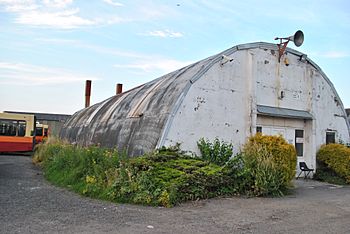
(282, 47)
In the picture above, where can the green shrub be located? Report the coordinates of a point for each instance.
(334, 158)
(84, 170)
(271, 162)
(162, 178)
(217, 152)
(42, 151)
(167, 177)
(326, 174)
(240, 175)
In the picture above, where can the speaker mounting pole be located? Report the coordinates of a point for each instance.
(281, 47)
(297, 38)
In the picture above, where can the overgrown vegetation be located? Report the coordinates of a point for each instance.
(167, 177)
(333, 164)
(217, 152)
(271, 163)
(266, 165)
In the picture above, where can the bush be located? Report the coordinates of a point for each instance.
(271, 162)
(162, 178)
(217, 152)
(240, 175)
(334, 159)
(83, 170)
(326, 174)
(168, 177)
(42, 151)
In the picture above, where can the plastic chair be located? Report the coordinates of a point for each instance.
(304, 168)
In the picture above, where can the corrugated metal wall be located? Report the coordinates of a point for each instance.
(131, 121)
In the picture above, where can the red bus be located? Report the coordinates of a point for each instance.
(41, 132)
(17, 132)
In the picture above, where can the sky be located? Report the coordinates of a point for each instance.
(49, 48)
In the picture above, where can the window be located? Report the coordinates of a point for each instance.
(330, 137)
(299, 142)
(258, 129)
(21, 128)
(12, 127)
(39, 131)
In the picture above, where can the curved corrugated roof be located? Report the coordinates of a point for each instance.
(132, 120)
(137, 119)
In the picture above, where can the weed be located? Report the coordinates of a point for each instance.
(217, 152)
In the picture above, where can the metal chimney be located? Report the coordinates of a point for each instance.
(87, 93)
(119, 89)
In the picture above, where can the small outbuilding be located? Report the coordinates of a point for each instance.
(231, 95)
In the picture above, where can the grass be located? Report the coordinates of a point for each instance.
(163, 178)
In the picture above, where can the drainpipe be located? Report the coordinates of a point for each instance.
(119, 89)
(87, 93)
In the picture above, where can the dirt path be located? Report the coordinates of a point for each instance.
(28, 204)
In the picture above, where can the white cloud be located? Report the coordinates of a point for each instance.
(32, 75)
(63, 19)
(47, 13)
(18, 5)
(16, 1)
(154, 65)
(21, 7)
(332, 54)
(57, 3)
(335, 54)
(65, 14)
(163, 33)
(113, 3)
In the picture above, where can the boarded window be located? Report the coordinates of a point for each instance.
(330, 137)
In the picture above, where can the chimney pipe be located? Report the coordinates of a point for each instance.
(119, 89)
(87, 93)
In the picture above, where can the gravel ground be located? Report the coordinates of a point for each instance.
(29, 204)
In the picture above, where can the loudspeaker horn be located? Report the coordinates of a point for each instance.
(297, 38)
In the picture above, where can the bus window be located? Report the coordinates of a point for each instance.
(21, 128)
(8, 127)
(2, 128)
(12, 129)
(46, 130)
(39, 131)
